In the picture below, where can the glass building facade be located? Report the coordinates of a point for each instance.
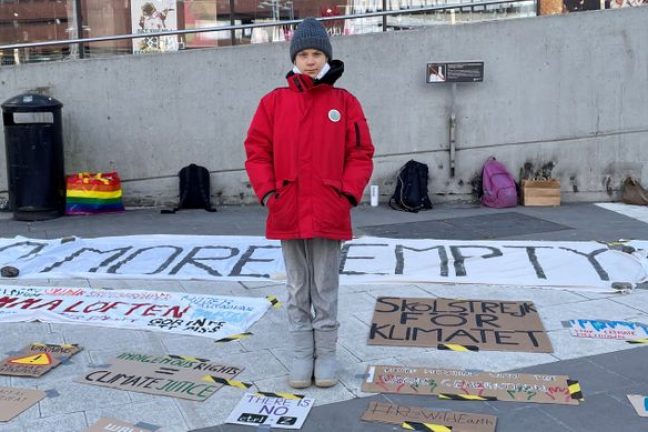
(24, 21)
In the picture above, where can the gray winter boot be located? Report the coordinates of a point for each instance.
(301, 371)
(325, 364)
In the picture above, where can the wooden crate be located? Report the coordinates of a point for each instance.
(540, 193)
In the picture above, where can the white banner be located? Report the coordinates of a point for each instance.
(193, 314)
(590, 265)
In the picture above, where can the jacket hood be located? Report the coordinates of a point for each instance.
(302, 82)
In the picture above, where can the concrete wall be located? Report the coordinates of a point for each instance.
(570, 89)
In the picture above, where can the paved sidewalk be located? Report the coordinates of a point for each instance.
(264, 356)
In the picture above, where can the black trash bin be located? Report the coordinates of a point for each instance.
(34, 144)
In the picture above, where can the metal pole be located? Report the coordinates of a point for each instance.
(453, 131)
(79, 23)
(232, 32)
(384, 9)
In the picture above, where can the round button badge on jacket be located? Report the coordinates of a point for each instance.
(334, 115)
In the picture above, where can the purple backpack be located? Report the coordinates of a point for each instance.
(498, 186)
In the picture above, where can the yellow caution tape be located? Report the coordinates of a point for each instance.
(41, 344)
(232, 383)
(613, 243)
(638, 341)
(291, 396)
(235, 337)
(67, 345)
(44, 345)
(575, 390)
(433, 427)
(187, 358)
(465, 397)
(274, 301)
(457, 347)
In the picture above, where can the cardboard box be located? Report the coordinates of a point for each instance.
(540, 193)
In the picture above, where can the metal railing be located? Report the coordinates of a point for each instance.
(232, 28)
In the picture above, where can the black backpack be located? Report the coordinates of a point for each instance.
(195, 191)
(411, 194)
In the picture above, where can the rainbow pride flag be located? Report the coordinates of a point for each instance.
(90, 193)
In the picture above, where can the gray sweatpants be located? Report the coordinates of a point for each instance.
(312, 283)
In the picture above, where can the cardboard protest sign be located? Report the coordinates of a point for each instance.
(639, 403)
(110, 425)
(13, 401)
(36, 359)
(458, 421)
(459, 325)
(277, 412)
(468, 385)
(215, 317)
(166, 375)
(603, 329)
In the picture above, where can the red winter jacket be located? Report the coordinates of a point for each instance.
(310, 144)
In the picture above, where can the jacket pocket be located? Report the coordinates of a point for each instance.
(282, 207)
(336, 185)
(332, 207)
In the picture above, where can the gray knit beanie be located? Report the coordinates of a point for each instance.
(310, 34)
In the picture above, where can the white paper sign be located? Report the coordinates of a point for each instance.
(254, 410)
(588, 265)
(151, 18)
(603, 329)
(639, 403)
(192, 314)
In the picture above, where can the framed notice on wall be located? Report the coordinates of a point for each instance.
(454, 72)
